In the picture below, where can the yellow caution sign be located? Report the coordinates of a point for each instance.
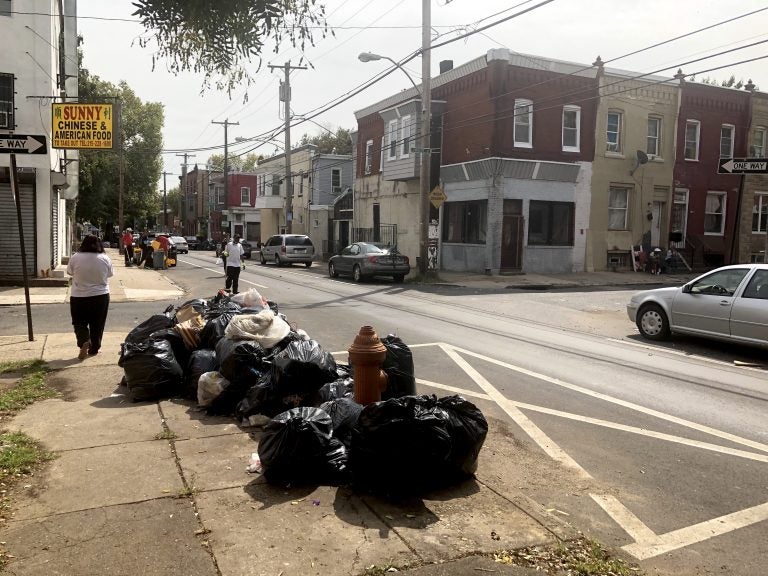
(437, 196)
(82, 126)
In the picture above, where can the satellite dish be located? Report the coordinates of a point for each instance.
(641, 158)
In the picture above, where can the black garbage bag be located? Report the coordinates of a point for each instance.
(344, 413)
(151, 370)
(200, 362)
(341, 388)
(301, 368)
(221, 305)
(468, 428)
(233, 393)
(399, 446)
(152, 324)
(398, 366)
(237, 356)
(283, 344)
(214, 328)
(261, 398)
(180, 350)
(297, 447)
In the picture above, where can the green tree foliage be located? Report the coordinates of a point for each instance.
(221, 39)
(141, 126)
(339, 142)
(245, 163)
(730, 83)
(172, 201)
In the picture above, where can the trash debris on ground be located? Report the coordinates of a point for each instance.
(238, 355)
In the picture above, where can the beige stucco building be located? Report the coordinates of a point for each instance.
(754, 201)
(632, 176)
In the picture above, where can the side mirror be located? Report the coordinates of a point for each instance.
(687, 289)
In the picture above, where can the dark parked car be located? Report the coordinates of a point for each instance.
(364, 260)
(288, 248)
(193, 242)
(247, 248)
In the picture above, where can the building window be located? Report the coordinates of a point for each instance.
(653, 141)
(219, 194)
(550, 223)
(714, 213)
(5, 8)
(613, 132)
(523, 123)
(692, 131)
(392, 139)
(405, 136)
(618, 207)
(368, 156)
(465, 222)
(680, 214)
(6, 102)
(760, 212)
(301, 183)
(336, 181)
(571, 128)
(381, 155)
(758, 142)
(275, 185)
(245, 196)
(726, 140)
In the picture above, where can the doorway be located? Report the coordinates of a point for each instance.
(512, 228)
(658, 212)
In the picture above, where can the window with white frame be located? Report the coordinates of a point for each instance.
(714, 213)
(336, 180)
(618, 207)
(613, 132)
(6, 102)
(6, 8)
(523, 123)
(405, 136)
(368, 156)
(392, 148)
(653, 140)
(760, 213)
(692, 133)
(571, 128)
(727, 133)
(245, 196)
(758, 142)
(219, 194)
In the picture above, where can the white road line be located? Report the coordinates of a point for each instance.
(219, 271)
(453, 389)
(619, 402)
(536, 433)
(631, 524)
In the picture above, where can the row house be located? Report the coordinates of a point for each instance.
(753, 240)
(38, 65)
(233, 211)
(194, 199)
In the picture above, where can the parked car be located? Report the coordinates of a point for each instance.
(730, 303)
(247, 248)
(182, 247)
(192, 242)
(207, 245)
(288, 249)
(364, 260)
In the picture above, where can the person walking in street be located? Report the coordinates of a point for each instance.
(233, 261)
(90, 269)
(128, 245)
(223, 250)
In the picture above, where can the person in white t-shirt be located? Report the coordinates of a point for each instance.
(90, 269)
(234, 259)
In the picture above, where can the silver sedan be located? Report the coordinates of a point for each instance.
(730, 303)
(364, 260)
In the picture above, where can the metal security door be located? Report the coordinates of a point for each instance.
(10, 251)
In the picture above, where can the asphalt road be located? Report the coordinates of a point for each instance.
(661, 450)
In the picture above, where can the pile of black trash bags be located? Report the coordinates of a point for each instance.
(238, 355)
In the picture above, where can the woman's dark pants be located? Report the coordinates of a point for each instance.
(89, 315)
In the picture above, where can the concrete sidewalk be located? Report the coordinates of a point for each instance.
(161, 488)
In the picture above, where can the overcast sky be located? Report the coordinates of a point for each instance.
(573, 30)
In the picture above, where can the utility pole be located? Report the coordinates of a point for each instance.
(183, 194)
(226, 124)
(426, 144)
(285, 96)
(165, 202)
(120, 172)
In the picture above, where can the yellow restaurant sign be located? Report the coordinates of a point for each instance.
(82, 126)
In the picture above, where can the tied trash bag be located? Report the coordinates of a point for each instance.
(399, 446)
(301, 368)
(142, 332)
(236, 357)
(344, 413)
(263, 327)
(398, 365)
(151, 370)
(297, 447)
(200, 362)
(251, 298)
(214, 328)
(261, 398)
(468, 428)
(209, 386)
(341, 388)
(180, 350)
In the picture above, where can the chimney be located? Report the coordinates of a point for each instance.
(445, 66)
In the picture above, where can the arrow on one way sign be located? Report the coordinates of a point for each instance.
(22, 144)
(743, 166)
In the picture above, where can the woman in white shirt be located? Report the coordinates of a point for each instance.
(90, 269)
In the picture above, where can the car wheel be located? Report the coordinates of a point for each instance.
(398, 278)
(332, 271)
(263, 260)
(357, 274)
(278, 262)
(652, 322)
(308, 264)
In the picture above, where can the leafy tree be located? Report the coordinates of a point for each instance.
(245, 163)
(730, 83)
(172, 201)
(339, 142)
(220, 38)
(140, 125)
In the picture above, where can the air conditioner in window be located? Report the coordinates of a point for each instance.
(4, 119)
(336, 190)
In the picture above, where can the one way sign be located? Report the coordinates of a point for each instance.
(22, 144)
(743, 166)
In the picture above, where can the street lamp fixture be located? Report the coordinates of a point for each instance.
(425, 158)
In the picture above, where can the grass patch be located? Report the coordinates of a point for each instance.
(20, 455)
(30, 387)
(166, 434)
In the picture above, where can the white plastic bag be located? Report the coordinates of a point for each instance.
(219, 261)
(249, 299)
(209, 386)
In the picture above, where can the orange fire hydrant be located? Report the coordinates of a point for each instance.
(366, 355)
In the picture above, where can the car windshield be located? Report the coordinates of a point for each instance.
(177, 239)
(298, 241)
